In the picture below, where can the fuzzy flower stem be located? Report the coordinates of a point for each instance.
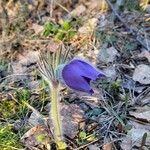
(55, 116)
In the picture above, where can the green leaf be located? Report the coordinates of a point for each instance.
(41, 137)
(82, 135)
(60, 35)
(55, 29)
(71, 34)
(47, 29)
(61, 145)
(66, 25)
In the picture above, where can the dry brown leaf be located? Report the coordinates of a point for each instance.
(126, 144)
(37, 28)
(142, 113)
(145, 54)
(12, 8)
(107, 55)
(88, 28)
(79, 10)
(36, 119)
(27, 58)
(96, 5)
(35, 136)
(139, 125)
(93, 147)
(83, 38)
(107, 146)
(53, 45)
(72, 115)
(135, 136)
(142, 74)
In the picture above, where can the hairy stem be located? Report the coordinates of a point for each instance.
(55, 116)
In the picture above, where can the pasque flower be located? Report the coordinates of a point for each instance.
(78, 73)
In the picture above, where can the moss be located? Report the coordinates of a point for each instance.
(15, 109)
(23, 95)
(7, 109)
(8, 139)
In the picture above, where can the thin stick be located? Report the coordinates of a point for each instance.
(51, 8)
(132, 31)
(86, 145)
(62, 7)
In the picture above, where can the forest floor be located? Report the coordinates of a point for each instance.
(116, 39)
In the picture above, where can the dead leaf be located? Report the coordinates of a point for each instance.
(93, 147)
(79, 10)
(145, 100)
(12, 8)
(53, 46)
(142, 113)
(139, 125)
(35, 136)
(107, 55)
(35, 119)
(142, 74)
(28, 58)
(88, 27)
(107, 146)
(111, 72)
(126, 144)
(137, 134)
(37, 28)
(96, 5)
(20, 67)
(134, 138)
(145, 54)
(72, 115)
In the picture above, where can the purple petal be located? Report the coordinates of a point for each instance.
(74, 81)
(85, 69)
(78, 74)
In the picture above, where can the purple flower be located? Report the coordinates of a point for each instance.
(78, 74)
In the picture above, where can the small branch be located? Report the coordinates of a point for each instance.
(131, 31)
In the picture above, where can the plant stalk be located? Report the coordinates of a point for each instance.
(55, 116)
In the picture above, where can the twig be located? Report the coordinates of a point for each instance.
(137, 99)
(86, 145)
(51, 8)
(12, 75)
(131, 31)
(62, 7)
